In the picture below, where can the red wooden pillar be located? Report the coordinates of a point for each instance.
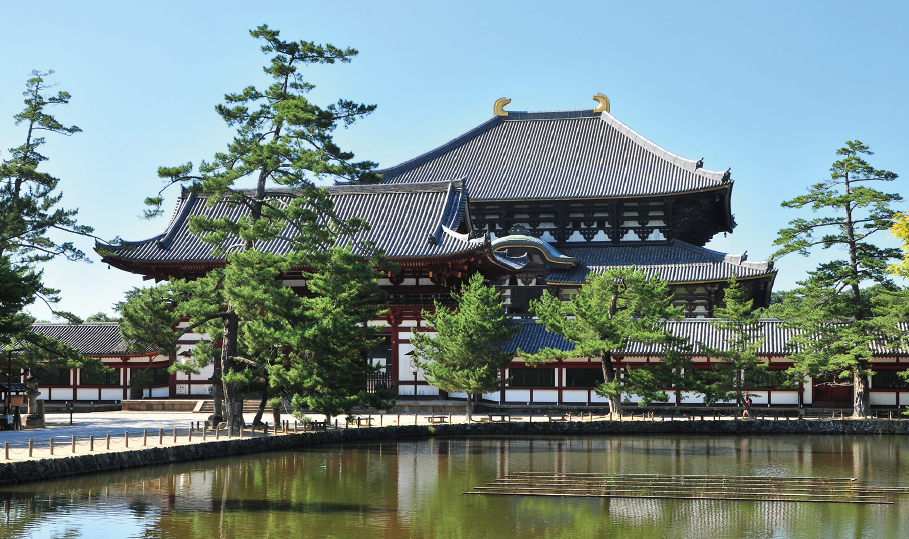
(394, 319)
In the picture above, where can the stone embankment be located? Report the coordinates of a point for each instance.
(55, 468)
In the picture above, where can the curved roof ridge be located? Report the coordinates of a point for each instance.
(659, 151)
(720, 257)
(422, 158)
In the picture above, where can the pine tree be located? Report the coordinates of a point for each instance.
(836, 328)
(465, 352)
(741, 327)
(612, 310)
(281, 139)
(29, 211)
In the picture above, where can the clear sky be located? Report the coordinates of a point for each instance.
(770, 89)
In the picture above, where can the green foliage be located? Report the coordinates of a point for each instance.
(612, 310)
(101, 316)
(837, 330)
(465, 354)
(308, 348)
(28, 213)
(738, 358)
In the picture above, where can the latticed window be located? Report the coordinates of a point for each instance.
(159, 377)
(52, 376)
(532, 377)
(766, 379)
(888, 380)
(583, 377)
(99, 376)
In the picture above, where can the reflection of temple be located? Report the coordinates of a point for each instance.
(535, 201)
(413, 488)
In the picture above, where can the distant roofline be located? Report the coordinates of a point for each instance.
(581, 114)
(182, 205)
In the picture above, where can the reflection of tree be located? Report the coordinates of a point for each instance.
(357, 490)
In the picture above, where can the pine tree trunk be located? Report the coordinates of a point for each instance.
(469, 406)
(232, 394)
(258, 419)
(609, 374)
(861, 406)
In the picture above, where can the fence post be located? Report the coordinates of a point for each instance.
(189, 435)
(126, 439)
(160, 436)
(108, 443)
(74, 444)
(217, 433)
(52, 446)
(241, 431)
(144, 437)
(6, 449)
(295, 426)
(175, 435)
(204, 432)
(31, 446)
(91, 443)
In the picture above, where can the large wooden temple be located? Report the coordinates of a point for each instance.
(534, 201)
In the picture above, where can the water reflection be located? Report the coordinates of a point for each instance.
(414, 488)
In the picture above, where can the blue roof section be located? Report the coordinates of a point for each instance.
(557, 155)
(675, 262)
(534, 337)
(407, 220)
(91, 338)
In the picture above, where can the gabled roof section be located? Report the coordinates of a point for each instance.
(558, 155)
(675, 262)
(533, 337)
(91, 339)
(407, 220)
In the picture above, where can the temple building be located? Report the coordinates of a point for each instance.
(534, 201)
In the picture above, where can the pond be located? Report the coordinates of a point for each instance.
(414, 488)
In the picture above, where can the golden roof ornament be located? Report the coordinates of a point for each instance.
(499, 107)
(603, 101)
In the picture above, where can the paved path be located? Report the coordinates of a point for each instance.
(101, 424)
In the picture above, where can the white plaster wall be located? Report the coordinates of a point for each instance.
(785, 397)
(111, 394)
(690, 398)
(427, 390)
(574, 395)
(545, 395)
(200, 389)
(160, 392)
(517, 395)
(405, 372)
(904, 399)
(887, 398)
(86, 394)
(758, 397)
(60, 394)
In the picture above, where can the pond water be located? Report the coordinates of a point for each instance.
(413, 488)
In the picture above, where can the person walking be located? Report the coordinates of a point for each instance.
(747, 411)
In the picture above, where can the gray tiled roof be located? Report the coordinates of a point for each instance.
(557, 155)
(90, 339)
(534, 337)
(403, 219)
(676, 262)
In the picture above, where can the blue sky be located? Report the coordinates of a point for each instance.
(770, 89)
